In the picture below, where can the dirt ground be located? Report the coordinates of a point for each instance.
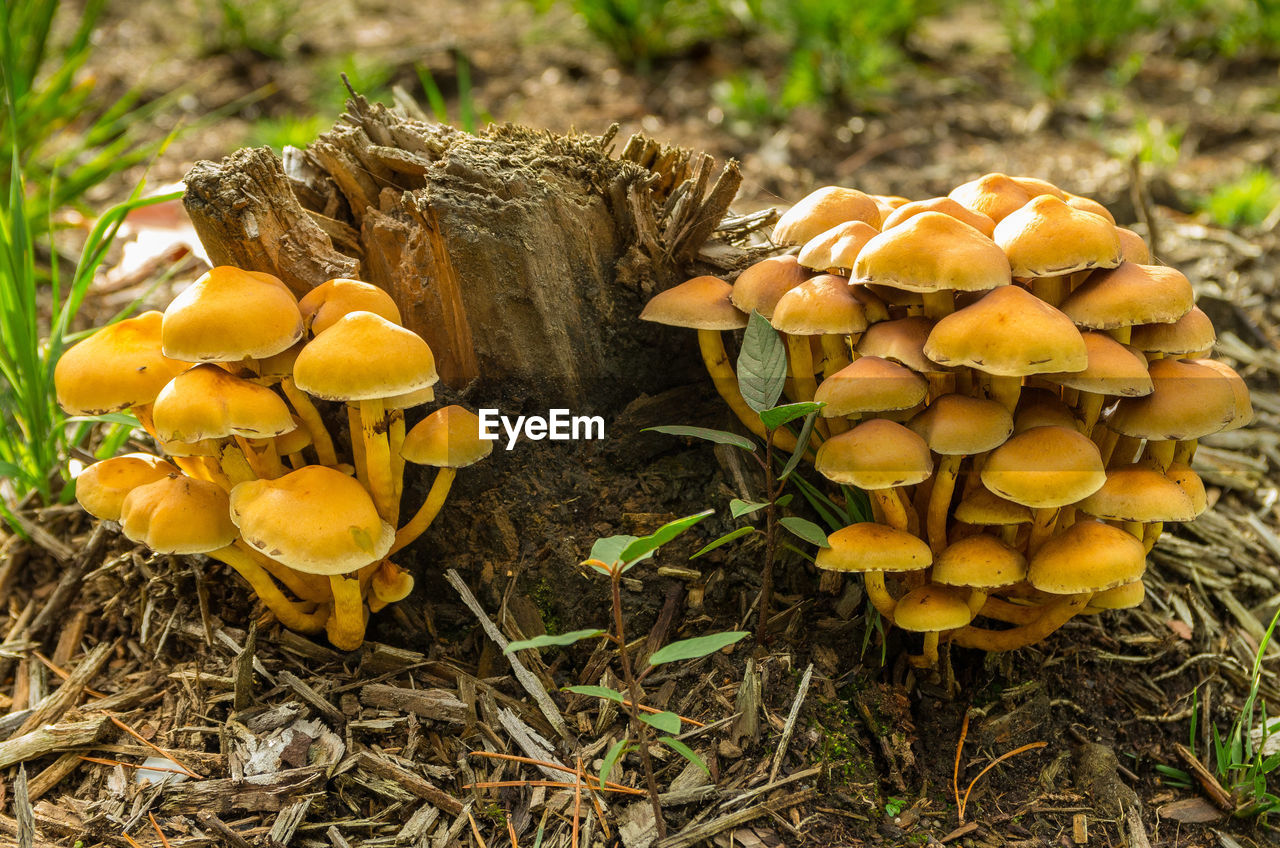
(871, 756)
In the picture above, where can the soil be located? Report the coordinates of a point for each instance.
(1112, 696)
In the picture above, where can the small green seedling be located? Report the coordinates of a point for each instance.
(612, 557)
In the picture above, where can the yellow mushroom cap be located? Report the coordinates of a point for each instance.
(1191, 333)
(1045, 467)
(979, 562)
(1088, 556)
(1113, 369)
(206, 402)
(994, 195)
(1132, 247)
(932, 609)
(408, 400)
(1130, 294)
(1138, 493)
(364, 356)
(315, 520)
(956, 424)
(886, 203)
(868, 546)
(447, 438)
(820, 305)
(986, 508)
(1191, 484)
(877, 454)
(1009, 332)
(1034, 187)
(873, 306)
(901, 340)
(299, 438)
(272, 369)
(699, 304)
(870, 384)
(1124, 596)
(332, 299)
(1088, 204)
(821, 210)
(1189, 401)
(760, 286)
(1047, 238)
(391, 583)
(117, 367)
(178, 515)
(1242, 412)
(931, 252)
(944, 205)
(102, 487)
(836, 248)
(229, 315)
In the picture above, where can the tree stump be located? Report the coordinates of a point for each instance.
(522, 257)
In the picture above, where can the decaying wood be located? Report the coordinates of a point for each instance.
(434, 704)
(521, 256)
(407, 780)
(52, 708)
(259, 793)
(51, 739)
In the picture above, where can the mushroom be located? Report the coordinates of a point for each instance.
(704, 304)
(326, 303)
(1114, 370)
(931, 609)
(448, 439)
(835, 250)
(1138, 495)
(955, 426)
(1034, 338)
(821, 210)
(206, 322)
(1191, 335)
(870, 385)
(980, 564)
(946, 206)
(1044, 468)
(317, 521)
(1088, 557)
(880, 457)
(1129, 294)
(820, 306)
(1190, 400)
(984, 508)
(102, 487)
(873, 550)
(1048, 241)
(995, 195)
(936, 255)
(365, 358)
(180, 515)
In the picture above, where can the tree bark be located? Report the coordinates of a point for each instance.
(522, 257)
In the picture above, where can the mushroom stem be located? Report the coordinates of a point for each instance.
(377, 457)
(835, 354)
(1151, 535)
(296, 460)
(895, 514)
(1124, 452)
(290, 613)
(268, 458)
(1090, 408)
(879, 595)
(977, 598)
(1041, 528)
(929, 654)
(1052, 290)
(1005, 390)
(357, 444)
(726, 382)
(1134, 529)
(427, 512)
(234, 465)
(800, 362)
(1051, 617)
(191, 466)
(311, 419)
(257, 463)
(1002, 610)
(1161, 452)
(939, 304)
(1122, 334)
(944, 486)
(1185, 451)
(308, 587)
(395, 441)
(346, 626)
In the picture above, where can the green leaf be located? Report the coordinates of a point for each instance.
(724, 540)
(806, 530)
(802, 446)
(664, 721)
(684, 751)
(696, 648)
(856, 504)
(739, 508)
(609, 549)
(762, 364)
(779, 415)
(596, 692)
(546, 640)
(107, 418)
(643, 548)
(720, 437)
(617, 750)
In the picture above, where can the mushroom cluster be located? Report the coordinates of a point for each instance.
(1013, 379)
(226, 381)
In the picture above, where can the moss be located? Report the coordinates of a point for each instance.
(543, 597)
(843, 758)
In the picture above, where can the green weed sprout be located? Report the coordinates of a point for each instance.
(612, 557)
